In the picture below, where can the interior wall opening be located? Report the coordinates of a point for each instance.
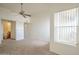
(8, 30)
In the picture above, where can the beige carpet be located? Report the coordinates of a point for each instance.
(25, 47)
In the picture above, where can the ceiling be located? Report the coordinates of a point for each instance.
(32, 8)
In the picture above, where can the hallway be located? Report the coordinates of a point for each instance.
(24, 47)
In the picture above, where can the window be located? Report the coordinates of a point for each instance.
(65, 26)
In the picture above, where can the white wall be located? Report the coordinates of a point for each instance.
(8, 15)
(19, 31)
(41, 26)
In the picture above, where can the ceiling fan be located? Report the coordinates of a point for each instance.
(22, 12)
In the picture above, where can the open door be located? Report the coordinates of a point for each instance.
(13, 30)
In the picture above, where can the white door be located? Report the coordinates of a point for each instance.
(13, 29)
(27, 31)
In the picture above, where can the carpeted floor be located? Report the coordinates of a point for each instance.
(24, 47)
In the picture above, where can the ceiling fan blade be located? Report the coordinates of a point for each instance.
(27, 15)
(24, 16)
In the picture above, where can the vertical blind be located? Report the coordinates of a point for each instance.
(65, 26)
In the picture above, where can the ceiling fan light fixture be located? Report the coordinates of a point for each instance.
(22, 12)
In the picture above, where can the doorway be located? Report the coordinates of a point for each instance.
(8, 30)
